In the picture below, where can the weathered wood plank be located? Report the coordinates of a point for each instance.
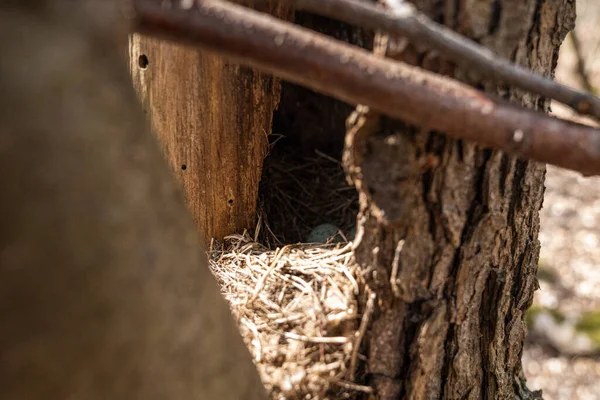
(213, 118)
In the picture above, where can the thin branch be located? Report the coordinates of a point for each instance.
(317, 339)
(395, 266)
(352, 386)
(356, 76)
(405, 20)
(261, 283)
(581, 69)
(360, 334)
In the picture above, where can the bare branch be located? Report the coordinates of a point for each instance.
(356, 76)
(581, 69)
(405, 20)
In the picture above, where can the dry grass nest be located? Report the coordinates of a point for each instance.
(296, 305)
(299, 192)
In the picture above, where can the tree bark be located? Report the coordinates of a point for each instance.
(447, 236)
(105, 291)
(213, 119)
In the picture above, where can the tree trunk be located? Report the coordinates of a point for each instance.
(447, 236)
(105, 291)
(213, 119)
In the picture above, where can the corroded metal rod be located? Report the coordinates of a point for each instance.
(356, 76)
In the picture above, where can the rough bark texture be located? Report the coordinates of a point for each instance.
(105, 291)
(213, 118)
(450, 322)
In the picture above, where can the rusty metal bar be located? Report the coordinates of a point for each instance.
(358, 77)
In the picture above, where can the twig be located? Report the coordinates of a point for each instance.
(261, 283)
(252, 328)
(395, 265)
(405, 20)
(356, 76)
(317, 339)
(352, 386)
(362, 330)
(329, 158)
(581, 70)
(257, 228)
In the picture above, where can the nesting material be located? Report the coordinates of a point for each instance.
(298, 192)
(297, 311)
(296, 304)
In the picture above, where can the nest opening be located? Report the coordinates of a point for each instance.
(296, 303)
(301, 190)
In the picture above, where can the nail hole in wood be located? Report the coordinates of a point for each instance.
(143, 61)
(183, 167)
(230, 201)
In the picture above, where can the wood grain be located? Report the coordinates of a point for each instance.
(213, 119)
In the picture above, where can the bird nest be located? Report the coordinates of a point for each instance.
(300, 191)
(296, 308)
(296, 305)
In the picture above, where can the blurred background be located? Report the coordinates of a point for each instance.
(562, 353)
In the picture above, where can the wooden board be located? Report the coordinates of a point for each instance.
(213, 119)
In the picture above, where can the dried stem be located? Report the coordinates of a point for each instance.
(581, 69)
(356, 76)
(283, 327)
(395, 266)
(360, 334)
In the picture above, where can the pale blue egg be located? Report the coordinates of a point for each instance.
(352, 233)
(322, 233)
